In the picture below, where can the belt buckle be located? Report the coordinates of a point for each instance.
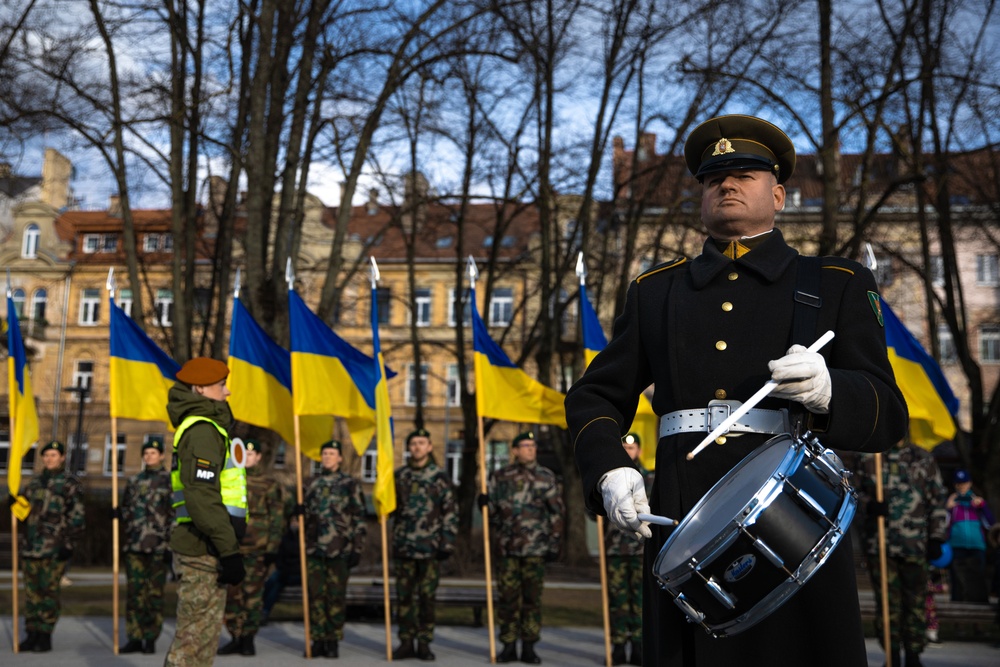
(717, 412)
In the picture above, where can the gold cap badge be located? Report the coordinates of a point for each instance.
(723, 146)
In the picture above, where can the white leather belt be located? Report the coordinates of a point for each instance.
(704, 420)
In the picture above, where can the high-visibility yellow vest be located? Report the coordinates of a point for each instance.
(232, 479)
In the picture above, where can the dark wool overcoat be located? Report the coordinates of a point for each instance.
(705, 329)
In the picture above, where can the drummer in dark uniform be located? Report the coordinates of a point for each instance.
(716, 329)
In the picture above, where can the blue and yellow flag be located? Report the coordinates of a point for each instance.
(384, 494)
(646, 422)
(22, 409)
(504, 391)
(329, 375)
(141, 373)
(260, 378)
(931, 403)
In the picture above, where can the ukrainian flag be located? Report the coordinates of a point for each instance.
(931, 403)
(646, 422)
(141, 373)
(504, 391)
(22, 409)
(385, 482)
(329, 376)
(260, 377)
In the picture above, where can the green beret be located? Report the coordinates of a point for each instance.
(56, 445)
(739, 142)
(632, 438)
(419, 433)
(527, 435)
(253, 446)
(202, 372)
(153, 443)
(331, 444)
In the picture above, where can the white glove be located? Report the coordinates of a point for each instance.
(624, 495)
(804, 378)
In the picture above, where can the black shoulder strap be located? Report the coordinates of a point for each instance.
(805, 315)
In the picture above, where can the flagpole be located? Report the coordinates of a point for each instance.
(303, 571)
(115, 556)
(13, 556)
(382, 520)
(486, 542)
(602, 553)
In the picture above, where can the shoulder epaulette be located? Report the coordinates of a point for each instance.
(840, 264)
(661, 268)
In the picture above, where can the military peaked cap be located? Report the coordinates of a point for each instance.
(739, 142)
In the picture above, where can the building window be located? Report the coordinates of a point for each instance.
(151, 243)
(202, 303)
(38, 302)
(109, 243)
(383, 300)
(29, 245)
(167, 242)
(989, 343)
(90, 307)
(76, 456)
(27, 461)
(369, 464)
(422, 307)
(497, 455)
(883, 270)
(987, 270)
(411, 383)
(946, 344)
(453, 461)
(125, 301)
(937, 271)
(17, 296)
(459, 297)
(91, 243)
(501, 307)
(83, 376)
(454, 388)
(119, 452)
(164, 306)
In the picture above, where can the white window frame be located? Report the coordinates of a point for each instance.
(989, 343)
(39, 298)
(91, 243)
(18, 297)
(453, 395)
(411, 386)
(109, 240)
(90, 307)
(946, 345)
(167, 242)
(453, 461)
(151, 243)
(27, 462)
(502, 307)
(122, 439)
(82, 454)
(83, 377)
(164, 307)
(124, 301)
(937, 271)
(452, 301)
(369, 464)
(422, 306)
(29, 243)
(987, 270)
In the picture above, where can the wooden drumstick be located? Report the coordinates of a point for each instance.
(768, 387)
(658, 520)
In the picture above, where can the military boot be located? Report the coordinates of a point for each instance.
(29, 642)
(424, 651)
(318, 648)
(509, 653)
(913, 660)
(149, 646)
(528, 654)
(636, 657)
(618, 654)
(44, 643)
(404, 650)
(332, 648)
(131, 646)
(895, 658)
(232, 647)
(246, 645)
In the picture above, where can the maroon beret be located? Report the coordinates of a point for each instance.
(202, 371)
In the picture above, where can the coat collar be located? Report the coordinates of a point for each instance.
(769, 260)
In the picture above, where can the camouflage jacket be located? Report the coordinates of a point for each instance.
(526, 510)
(916, 495)
(618, 542)
(57, 514)
(265, 513)
(147, 512)
(426, 519)
(335, 515)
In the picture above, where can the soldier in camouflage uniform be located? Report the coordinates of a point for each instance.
(265, 519)
(146, 514)
(47, 539)
(526, 515)
(624, 559)
(915, 527)
(335, 539)
(423, 533)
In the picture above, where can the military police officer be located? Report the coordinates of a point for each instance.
(146, 513)
(47, 538)
(623, 549)
(265, 518)
(526, 515)
(916, 527)
(424, 526)
(335, 539)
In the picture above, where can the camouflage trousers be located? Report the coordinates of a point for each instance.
(907, 579)
(519, 610)
(42, 577)
(625, 598)
(200, 603)
(327, 596)
(245, 601)
(416, 585)
(146, 575)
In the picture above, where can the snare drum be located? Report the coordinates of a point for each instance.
(758, 535)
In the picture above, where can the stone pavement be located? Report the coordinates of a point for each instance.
(86, 640)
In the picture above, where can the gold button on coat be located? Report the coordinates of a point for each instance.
(720, 394)
(727, 306)
(734, 275)
(720, 345)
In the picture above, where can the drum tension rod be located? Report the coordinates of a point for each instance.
(809, 501)
(768, 552)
